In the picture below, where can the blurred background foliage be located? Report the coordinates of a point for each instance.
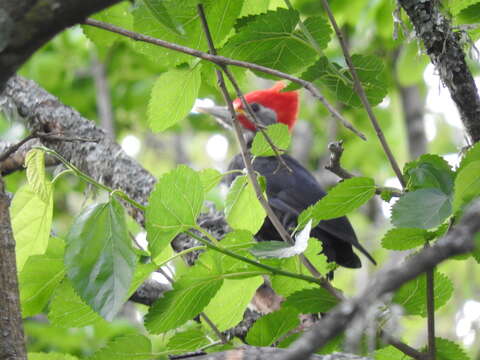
(68, 67)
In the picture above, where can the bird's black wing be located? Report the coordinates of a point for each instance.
(289, 193)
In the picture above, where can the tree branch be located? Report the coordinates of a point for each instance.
(221, 60)
(444, 47)
(12, 339)
(362, 95)
(458, 241)
(28, 24)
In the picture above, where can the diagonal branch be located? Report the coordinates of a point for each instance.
(458, 241)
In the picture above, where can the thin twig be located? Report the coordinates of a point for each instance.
(222, 60)
(336, 151)
(16, 146)
(362, 95)
(430, 289)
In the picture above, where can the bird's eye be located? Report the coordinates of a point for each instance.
(255, 107)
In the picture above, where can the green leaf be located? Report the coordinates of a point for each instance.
(35, 164)
(345, 197)
(172, 97)
(412, 295)
(271, 327)
(448, 350)
(187, 341)
(50, 356)
(220, 15)
(278, 134)
(271, 40)
(467, 185)
(254, 7)
(458, 5)
(67, 310)
(99, 257)
(390, 353)
(278, 249)
(429, 171)
(190, 295)
(227, 307)
(317, 258)
(472, 155)
(128, 347)
(31, 222)
(158, 9)
(320, 29)
(173, 207)
(286, 286)
(209, 178)
(314, 72)
(118, 15)
(424, 209)
(243, 211)
(310, 301)
(38, 279)
(404, 238)
(370, 72)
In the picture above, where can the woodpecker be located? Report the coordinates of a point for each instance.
(289, 190)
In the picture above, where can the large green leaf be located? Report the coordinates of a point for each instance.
(311, 301)
(100, 258)
(50, 356)
(429, 171)
(424, 209)
(278, 134)
(458, 5)
(404, 238)
(286, 286)
(473, 154)
(172, 97)
(67, 310)
(370, 72)
(345, 197)
(158, 9)
(319, 28)
(271, 40)
(220, 15)
(173, 207)
(210, 178)
(467, 185)
(128, 347)
(242, 208)
(31, 221)
(390, 353)
(227, 307)
(190, 295)
(118, 15)
(412, 295)
(38, 280)
(271, 327)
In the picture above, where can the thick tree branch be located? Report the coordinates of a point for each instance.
(458, 241)
(12, 339)
(105, 161)
(28, 24)
(444, 46)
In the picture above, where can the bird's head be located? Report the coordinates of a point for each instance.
(270, 106)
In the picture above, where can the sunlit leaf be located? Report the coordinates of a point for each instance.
(31, 221)
(404, 238)
(186, 341)
(172, 97)
(467, 185)
(127, 347)
(311, 301)
(35, 164)
(242, 208)
(210, 178)
(278, 134)
(271, 327)
(173, 207)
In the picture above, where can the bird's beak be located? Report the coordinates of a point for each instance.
(221, 113)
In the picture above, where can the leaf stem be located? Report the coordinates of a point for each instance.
(269, 269)
(89, 179)
(181, 253)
